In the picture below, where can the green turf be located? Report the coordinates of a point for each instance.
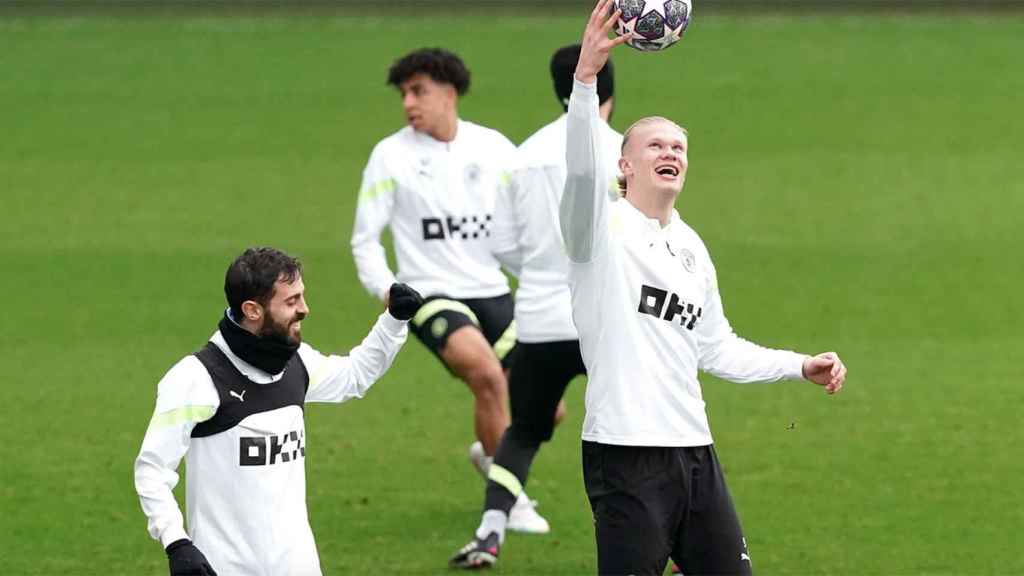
(857, 179)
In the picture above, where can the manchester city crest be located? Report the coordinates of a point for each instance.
(438, 326)
(689, 262)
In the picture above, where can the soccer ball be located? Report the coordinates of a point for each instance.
(655, 24)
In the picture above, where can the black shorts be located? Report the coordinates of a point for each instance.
(440, 316)
(536, 384)
(652, 503)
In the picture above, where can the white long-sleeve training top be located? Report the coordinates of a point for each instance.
(439, 200)
(646, 303)
(246, 486)
(527, 227)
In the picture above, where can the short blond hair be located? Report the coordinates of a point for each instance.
(629, 132)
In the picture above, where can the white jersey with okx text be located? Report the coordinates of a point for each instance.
(438, 198)
(646, 303)
(242, 434)
(527, 226)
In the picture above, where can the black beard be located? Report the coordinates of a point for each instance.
(268, 353)
(279, 333)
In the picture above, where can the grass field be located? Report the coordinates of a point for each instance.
(856, 177)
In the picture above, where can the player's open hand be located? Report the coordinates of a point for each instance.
(826, 369)
(596, 44)
(403, 301)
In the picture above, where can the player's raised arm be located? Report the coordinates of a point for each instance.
(582, 212)
(339, 378)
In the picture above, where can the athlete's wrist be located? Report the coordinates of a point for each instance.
(172, 535)
(177, 544)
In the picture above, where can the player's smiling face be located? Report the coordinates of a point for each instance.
(428, 105)
(654, 157)
(285, 312)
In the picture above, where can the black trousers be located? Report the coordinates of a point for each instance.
(537, 383)
(652, 503)
(541, 374)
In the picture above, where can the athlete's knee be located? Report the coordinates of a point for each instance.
(487, 381)
(527, 434)
(470, 357)
(560, 412)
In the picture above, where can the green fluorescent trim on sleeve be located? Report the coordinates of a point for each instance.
(434, 306)
(326, 369)
(375, 190)
(316, 379)
(182, 415)
(506, 342)
(506, 479)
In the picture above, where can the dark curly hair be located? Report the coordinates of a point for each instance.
(253, 274)
(442, 66)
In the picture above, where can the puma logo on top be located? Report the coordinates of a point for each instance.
(241, 397)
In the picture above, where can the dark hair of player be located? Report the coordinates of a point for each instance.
(563, 67)
(442, 66)
(252, 276)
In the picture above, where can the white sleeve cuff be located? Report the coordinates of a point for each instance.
(583, 96)
(795, 370)
(172, 534)
(392, 325)
(584, 88)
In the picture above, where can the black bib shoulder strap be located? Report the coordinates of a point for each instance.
(241, 397)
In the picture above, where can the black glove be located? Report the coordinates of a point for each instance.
(403, 301)
(187, 560)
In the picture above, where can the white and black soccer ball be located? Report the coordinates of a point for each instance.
(655, 24)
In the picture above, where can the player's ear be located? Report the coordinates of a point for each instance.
(625, 167)
(251, 310)
(450, 92)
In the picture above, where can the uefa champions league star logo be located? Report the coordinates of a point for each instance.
(689, 262)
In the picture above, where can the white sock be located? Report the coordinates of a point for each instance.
(493, 521)
(481, 461)
(522, 499)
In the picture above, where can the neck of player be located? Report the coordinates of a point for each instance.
(445, 129)
(653, 204)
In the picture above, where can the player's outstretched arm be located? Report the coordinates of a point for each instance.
(732, 358)
(339, 378)
(582, 213)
